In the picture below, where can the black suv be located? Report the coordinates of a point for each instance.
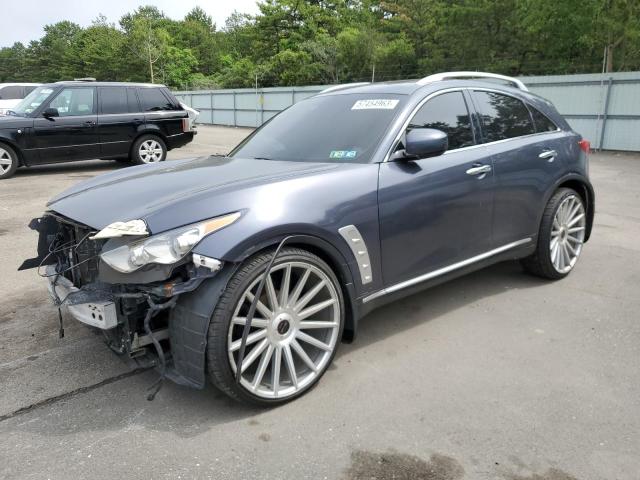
(68, 121)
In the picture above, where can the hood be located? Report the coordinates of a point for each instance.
(11, 121)
(175, 193)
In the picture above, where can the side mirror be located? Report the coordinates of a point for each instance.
(50, 112)
(426, 142)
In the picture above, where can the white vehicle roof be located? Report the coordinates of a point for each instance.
(19, 84)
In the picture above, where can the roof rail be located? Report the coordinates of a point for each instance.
(451, 75)
(343, 86)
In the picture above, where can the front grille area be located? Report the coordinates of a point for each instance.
(77, 253)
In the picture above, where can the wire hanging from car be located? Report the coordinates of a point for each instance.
(154, 308)
(253, 306)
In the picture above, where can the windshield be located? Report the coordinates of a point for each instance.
(332, 128)
(32, 101)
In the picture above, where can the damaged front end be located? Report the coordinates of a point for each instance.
(133, 308)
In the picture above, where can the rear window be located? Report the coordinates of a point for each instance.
(153, 100)
(12, 92)
(542, 122)
(503, 116)
(113, 100)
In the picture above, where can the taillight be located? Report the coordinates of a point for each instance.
(185, 125)
(585, 145)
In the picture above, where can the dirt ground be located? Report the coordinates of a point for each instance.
(497, 375)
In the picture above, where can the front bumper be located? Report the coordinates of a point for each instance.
(90, 308)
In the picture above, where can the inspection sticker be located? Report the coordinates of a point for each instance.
(343, 154)
(375, 104)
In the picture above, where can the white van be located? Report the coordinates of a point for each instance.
(12, 93)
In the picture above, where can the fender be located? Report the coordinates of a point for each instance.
(189, 320)
(588, 192)
(339, 258)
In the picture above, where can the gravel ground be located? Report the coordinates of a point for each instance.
(497, 375)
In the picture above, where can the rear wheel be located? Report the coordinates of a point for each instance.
(148, 149)
(561, 236)
(8, 161)
(294, 334)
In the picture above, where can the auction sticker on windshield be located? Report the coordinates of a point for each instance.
(375, 104)
(343, 154)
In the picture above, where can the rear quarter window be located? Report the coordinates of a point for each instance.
(153, 100)
(541, 121)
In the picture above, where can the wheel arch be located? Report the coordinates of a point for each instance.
(336, 261)
(148, 130)
(584, 188)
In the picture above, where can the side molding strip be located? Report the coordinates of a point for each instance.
(444, 270)
(359, 249)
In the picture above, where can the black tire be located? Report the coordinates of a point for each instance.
(540, 263)
(8, 154)
(139, 159)
(218, 363)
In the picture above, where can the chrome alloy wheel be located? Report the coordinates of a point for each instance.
(567, 233)
(293, 334)
(5, 161)
(150, 151)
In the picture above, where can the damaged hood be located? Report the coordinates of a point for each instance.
(172, 194)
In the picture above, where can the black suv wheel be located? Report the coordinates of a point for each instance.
(148, 149)
(8, 161)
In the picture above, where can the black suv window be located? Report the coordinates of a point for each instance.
(74, 101)
(447, 112)
(542, 122)
(11, 92)
(154, 100)
(503, 116)
(113, 100)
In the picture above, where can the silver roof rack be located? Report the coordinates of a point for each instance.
(343, 86)
(452, 75)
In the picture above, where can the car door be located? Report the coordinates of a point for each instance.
(118, 120)
(72, 133)
(525, 162)
(437, 211)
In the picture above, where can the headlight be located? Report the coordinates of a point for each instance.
(165, 248)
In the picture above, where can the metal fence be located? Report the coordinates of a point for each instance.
(604, 108)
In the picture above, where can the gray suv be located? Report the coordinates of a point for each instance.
(249, 269)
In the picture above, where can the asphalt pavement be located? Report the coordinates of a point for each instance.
(497, 375)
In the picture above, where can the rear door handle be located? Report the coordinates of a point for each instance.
(479, 170)
(89, 123)
(550, 155)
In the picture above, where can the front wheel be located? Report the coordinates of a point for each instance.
(561, 236)
(148, 149)
(294, 334)
(8, 161)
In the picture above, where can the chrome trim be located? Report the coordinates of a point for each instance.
(549, 154)
(444, 270)
(438, 77)
(481, 170)
(359, 249)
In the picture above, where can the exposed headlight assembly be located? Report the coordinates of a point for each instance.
(165, 248)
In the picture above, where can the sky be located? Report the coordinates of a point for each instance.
(23, 20)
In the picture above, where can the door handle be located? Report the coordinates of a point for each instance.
(479, 170)
(550, 155)
(89, 123)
